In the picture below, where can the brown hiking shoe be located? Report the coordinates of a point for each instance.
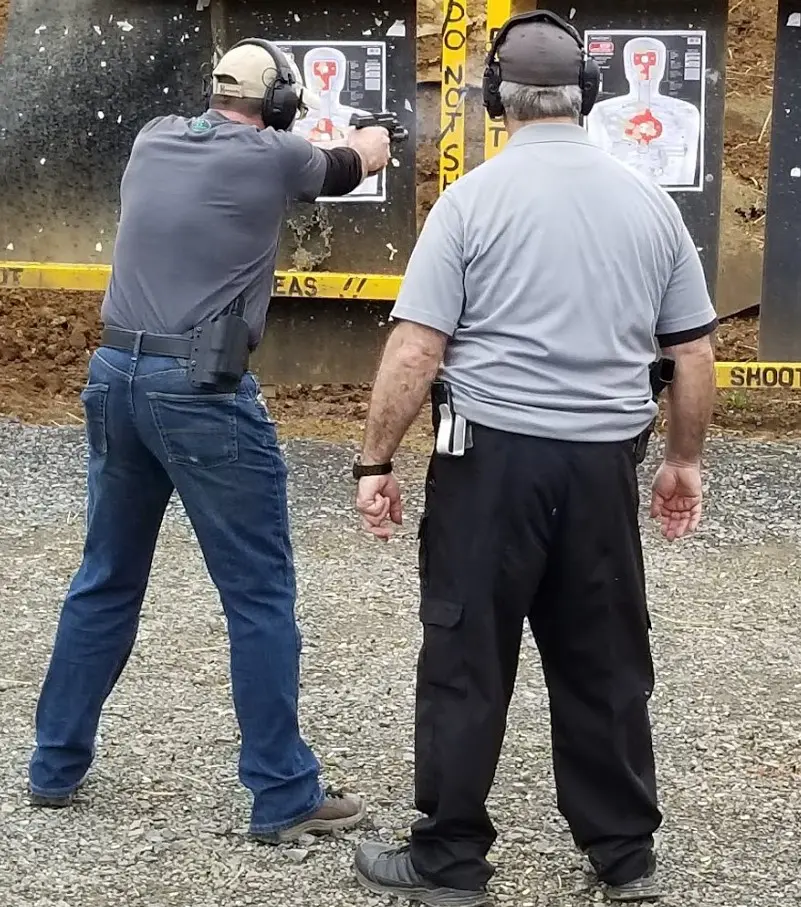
(339, 811)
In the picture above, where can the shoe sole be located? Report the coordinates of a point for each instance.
(650, 892)
(431, 897)
(45, 802)
(313, 827)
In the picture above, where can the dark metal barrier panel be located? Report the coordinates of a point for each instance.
(661, 105)
(780, 316)
(78, 79)
(355, 56)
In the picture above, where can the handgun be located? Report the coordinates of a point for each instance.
(389, 121)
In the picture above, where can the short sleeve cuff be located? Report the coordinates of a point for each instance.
(687, 334)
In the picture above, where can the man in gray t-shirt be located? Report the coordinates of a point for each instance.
(203, 201)
(545, 282)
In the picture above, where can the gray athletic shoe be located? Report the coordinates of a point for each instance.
(384, 869)
(646, 888)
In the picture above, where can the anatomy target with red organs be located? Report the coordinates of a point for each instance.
(655, 134)
(335, 76)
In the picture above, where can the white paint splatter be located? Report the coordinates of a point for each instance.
(395, 162)
(795, 20)
(367, 31)
(795, 173)
(10, 247)
(99, 247)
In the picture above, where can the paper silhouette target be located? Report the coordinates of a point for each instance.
(650, 113)
(340, 78)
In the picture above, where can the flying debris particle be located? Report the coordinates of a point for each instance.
(101, 115)
(166, 90)
(397, 29)
(367, 31)
(103, 64)
(97, 29)
(392, 251)
(10, 247)
(395, 162)
(40, 29)
(99, 247)
(407, 105)
(43, 161)
(296, 17)
(119, 119)
(125, 25)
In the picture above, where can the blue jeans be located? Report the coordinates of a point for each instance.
(149, 432)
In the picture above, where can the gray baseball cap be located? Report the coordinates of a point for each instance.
(539, 53)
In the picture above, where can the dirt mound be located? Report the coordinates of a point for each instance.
(46, 337)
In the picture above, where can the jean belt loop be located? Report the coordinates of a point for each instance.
(135, 351)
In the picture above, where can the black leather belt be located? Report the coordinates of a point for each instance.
(168, 345)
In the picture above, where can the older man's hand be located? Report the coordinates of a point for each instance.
(378, 498)
(676, 500)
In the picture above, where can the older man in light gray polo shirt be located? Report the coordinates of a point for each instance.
(547, 280)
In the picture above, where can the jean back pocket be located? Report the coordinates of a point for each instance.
(197, 430)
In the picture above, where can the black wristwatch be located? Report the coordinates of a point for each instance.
(360, 471)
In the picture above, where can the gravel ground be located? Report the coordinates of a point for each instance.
(162, 821)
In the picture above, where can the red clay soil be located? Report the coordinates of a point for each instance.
(46, 336)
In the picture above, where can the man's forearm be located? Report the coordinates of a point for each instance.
(691, 400)
(409, 365)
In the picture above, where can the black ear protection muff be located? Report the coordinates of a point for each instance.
(589, 75)
(283, 99)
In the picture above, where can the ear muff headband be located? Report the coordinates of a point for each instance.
(589, 80)
(282, 101)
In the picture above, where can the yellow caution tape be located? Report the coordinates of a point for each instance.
(302, 284)
(495, 134)
(750, 375)
(330, 285)
(453, 88)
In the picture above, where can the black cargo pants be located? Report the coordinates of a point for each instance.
(520, 529)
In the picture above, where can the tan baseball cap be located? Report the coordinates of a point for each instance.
(244, 72)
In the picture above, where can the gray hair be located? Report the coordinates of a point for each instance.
(531, 102)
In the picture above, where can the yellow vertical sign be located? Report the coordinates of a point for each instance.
(495, 135)
(453, 89)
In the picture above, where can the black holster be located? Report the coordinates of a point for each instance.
(660, 374)
(220, 351)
